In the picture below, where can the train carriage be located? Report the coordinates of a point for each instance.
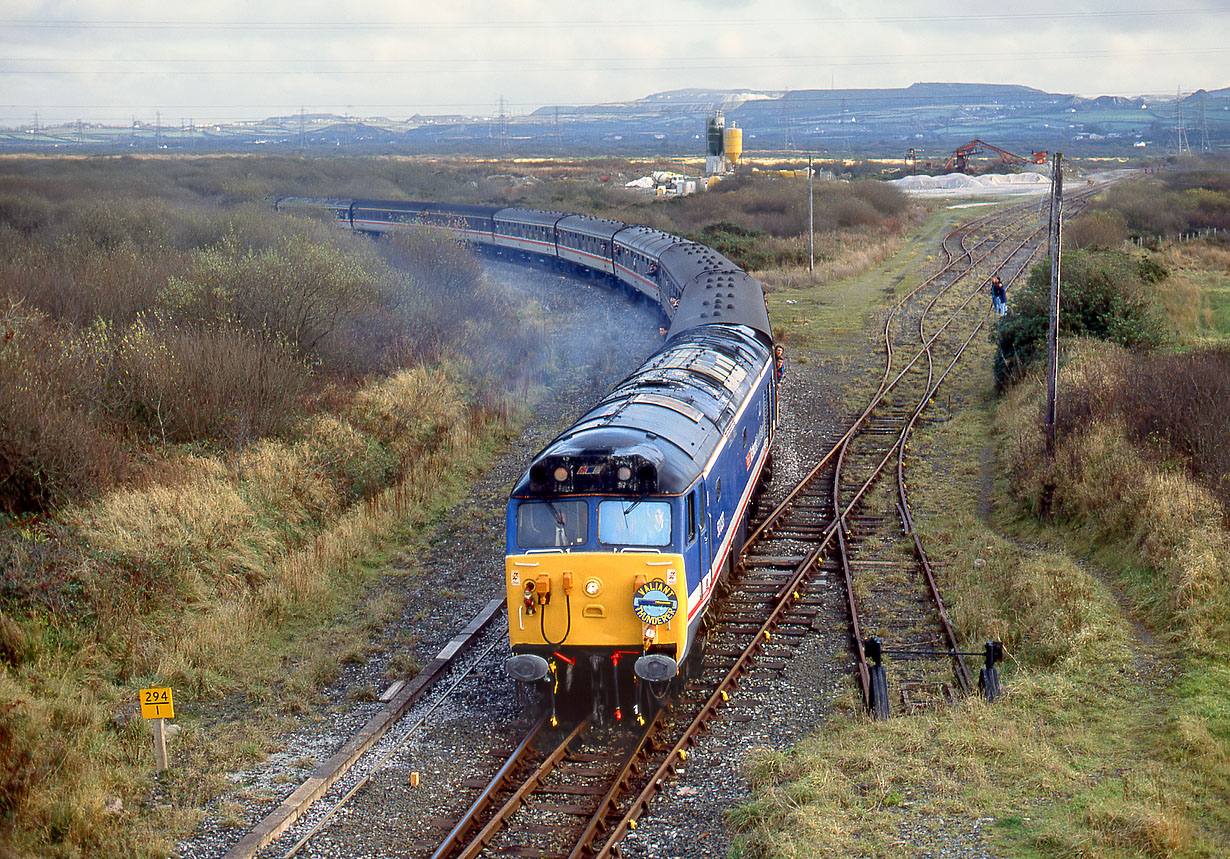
(340, 209)
(621, 529)
(527, 230)
(468, 223)
(588, 241)
(637, 263)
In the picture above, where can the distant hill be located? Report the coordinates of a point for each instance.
(930, 118)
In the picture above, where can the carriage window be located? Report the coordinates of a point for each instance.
(543, 524)
(634, 523)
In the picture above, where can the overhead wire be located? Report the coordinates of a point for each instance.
(563, 23)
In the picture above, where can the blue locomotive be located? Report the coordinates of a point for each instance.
(622, 528)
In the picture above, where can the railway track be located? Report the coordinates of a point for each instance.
(820, 529)
(576, 790)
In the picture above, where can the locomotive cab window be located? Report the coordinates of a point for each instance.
(552, 524)
(634, 523)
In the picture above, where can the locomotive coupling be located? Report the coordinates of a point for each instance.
(527, 667)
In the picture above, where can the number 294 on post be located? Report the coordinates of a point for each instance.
(156, 703)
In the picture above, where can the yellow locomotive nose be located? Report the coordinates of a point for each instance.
(624, 595)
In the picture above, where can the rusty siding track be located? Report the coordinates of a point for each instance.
(277, 821)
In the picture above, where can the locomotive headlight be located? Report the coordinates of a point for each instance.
(624, 474)
(561, 474)
(592, 587)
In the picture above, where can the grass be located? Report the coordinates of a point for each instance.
(1113, 739)
(852, 277)
(246, 662)
(1197, 294)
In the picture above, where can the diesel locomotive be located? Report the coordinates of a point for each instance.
(623, 527)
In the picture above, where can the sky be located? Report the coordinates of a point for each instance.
(224, 60)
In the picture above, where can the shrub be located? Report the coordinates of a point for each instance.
(446, 306)
(1194, 193)
(1145, 207)
(743, 246)
(26, 213)
(50, 448)
(1102, 295)
(299, 291)
(778, 207)
(74, 284)
(1104, 229)
(1178, 405)
(1118, 476)
(218, 383)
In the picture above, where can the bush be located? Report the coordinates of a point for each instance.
(1105, 230)
(50, 447)
(447, 307)
(25, 213)
(1191, 194)
(778, 207)
(1178, 404)
(1102, 295)
(744, 247)
(1132, 431)
(298, 292)
(74, 284)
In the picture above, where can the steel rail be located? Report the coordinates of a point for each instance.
(497, 783)
(401, 741)
(521, 795)
(907, 518)
(780, 604)
(720, 695)
(598, 820)
(786, 594)
(774, 515)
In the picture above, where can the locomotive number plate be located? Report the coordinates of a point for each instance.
(655, 603)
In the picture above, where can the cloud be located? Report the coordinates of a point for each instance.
(231, 60)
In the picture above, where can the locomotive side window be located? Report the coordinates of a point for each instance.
(551, 524)
(634, 523)
(691, 518)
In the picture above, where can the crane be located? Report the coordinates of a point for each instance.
(956, 161)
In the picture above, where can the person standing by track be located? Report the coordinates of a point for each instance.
(999, 296)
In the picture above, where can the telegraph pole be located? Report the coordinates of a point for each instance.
(811, 223)
(1055, 241)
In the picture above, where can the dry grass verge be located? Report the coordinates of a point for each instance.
(207, 584)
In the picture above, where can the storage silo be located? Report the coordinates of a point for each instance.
(733, 144)
(715, 142)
